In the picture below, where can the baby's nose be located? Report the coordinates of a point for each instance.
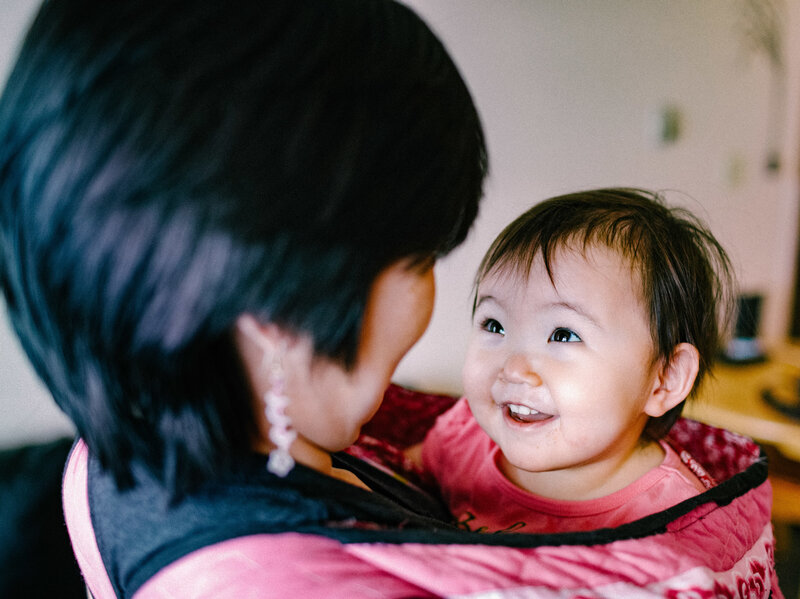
(519, 369)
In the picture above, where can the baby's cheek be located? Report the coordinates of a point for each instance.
(473, 375)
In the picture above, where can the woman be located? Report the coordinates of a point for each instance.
(217, 226)
(208, 204)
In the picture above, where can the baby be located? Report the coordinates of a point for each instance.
(596, 314)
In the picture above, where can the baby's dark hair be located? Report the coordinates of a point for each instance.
(169, 165)
(686, 276)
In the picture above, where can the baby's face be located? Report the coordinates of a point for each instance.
(560, 376)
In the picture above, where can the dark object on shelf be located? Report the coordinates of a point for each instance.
(787, 404)
(745, 348)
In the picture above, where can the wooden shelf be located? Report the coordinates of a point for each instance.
(732, 399)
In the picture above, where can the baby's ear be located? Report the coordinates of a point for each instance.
(674, 381)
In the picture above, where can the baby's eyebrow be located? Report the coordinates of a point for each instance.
(577, 309)
(484, 298)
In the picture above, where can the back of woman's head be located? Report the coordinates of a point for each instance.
(168, 165)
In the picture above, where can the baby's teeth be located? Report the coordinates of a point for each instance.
(521, 410)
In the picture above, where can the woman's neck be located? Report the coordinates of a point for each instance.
(318, 459)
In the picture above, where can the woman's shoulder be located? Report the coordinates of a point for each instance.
(142, 530)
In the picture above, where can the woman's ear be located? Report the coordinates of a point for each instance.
(259, 343)
(264, 337)
(674, 381)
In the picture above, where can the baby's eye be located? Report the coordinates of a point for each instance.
(562, 335)
(493, 326)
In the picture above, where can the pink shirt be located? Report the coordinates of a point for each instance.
(464, 461)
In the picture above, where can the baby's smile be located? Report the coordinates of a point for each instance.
(524, 414)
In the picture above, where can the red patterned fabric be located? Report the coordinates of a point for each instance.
(405, 416)
(725, 453)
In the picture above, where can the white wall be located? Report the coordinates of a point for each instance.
(27, 412)
(569, 92)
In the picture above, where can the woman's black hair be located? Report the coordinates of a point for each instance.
(168, 165)
(687, 281)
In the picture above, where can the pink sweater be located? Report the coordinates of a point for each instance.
(464, 461)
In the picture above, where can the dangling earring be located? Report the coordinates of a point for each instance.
(281, 432)
(275, 399)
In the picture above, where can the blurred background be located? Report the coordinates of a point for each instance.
(702, 98)
(698, 98)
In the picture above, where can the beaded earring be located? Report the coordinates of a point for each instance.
(281, 432)
(275, 400)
